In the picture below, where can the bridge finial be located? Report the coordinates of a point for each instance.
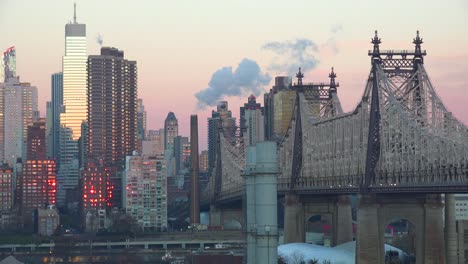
(376, 41)
(299, 77)
(332, 77)
(417, 43)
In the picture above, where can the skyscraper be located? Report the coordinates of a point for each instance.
(112, 107)
(20, 107)
(56, 108)
(74, 106)
(220, 119)
(74, 78)
(252, 121)
(112, 113)
(171, 130)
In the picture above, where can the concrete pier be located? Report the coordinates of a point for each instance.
(294, 231)
(451, 243)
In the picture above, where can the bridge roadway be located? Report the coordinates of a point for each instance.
(170, 240)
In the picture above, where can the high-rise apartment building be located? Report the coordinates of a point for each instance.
(112, 107)
(74, 106)
(252, 122)
(146, 191)
(112, 113)
(19, 110)
(220, 119)
(55, 108)
(171, 130)
(6, 188)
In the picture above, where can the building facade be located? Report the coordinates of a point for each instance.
(203, 159)
(279, 104)
(171, 130)
(36, 141)
(97, 187)
(153, 145)
(74, 107)
(37, 186)
(6, 189)
(146, 192)
(20, 109)
(112, 107)
(47, 221)
(141, 120)
(180, 152)
(252, 122)
(220, 119)
(55, 108)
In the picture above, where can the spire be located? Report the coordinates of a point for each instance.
(299, 77)
(74, 13)
(332, 77)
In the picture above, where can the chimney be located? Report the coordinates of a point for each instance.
(194, 172)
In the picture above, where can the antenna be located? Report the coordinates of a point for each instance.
(74, 12)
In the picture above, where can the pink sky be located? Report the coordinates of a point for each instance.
(178, 45)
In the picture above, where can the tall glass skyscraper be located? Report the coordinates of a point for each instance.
(74, 109)
(56, 108)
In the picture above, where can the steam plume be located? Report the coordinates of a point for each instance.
(247, 78)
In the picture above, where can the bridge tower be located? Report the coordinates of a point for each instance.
(376, 210)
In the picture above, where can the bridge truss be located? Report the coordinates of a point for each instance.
(399, 138)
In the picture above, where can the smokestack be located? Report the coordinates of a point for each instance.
(194, 171)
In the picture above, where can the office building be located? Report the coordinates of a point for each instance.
(55, 108)
(171, 130)
(74, 108)
(146, 191)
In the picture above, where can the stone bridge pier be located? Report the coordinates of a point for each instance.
(303, 214)
(423, 211)
(230, 218)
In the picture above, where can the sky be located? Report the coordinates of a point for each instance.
(184, 47)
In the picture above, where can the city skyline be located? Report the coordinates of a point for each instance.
(171, 37)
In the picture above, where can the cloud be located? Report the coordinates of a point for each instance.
(247, 78)
(290, 55)
(302, 52)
